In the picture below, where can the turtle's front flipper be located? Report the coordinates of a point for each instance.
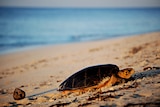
(107, 82)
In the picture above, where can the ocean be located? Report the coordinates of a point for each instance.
(27, 27)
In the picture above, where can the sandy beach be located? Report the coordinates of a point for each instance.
(39, 72)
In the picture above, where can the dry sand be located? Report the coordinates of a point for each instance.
(40, 71)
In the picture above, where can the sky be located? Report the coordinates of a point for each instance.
(80, 3)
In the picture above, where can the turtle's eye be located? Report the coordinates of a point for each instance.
(130, 69)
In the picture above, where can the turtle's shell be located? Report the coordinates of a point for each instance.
(89, 76)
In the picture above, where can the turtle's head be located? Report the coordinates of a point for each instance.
(126, 73)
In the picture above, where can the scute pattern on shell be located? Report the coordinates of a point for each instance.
(89, 76)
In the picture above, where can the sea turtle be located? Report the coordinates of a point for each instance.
(96, 77)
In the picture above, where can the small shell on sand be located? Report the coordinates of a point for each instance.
(18, 94)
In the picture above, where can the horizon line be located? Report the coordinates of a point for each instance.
(79, 7)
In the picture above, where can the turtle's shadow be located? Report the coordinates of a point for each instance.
(148, 73)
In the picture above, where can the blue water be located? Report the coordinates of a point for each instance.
(23, 27)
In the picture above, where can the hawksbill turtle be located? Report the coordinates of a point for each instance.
(96, 77)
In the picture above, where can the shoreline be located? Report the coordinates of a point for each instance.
(25, 48)
(42, 69)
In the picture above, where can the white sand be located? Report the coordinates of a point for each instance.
(40, 71)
